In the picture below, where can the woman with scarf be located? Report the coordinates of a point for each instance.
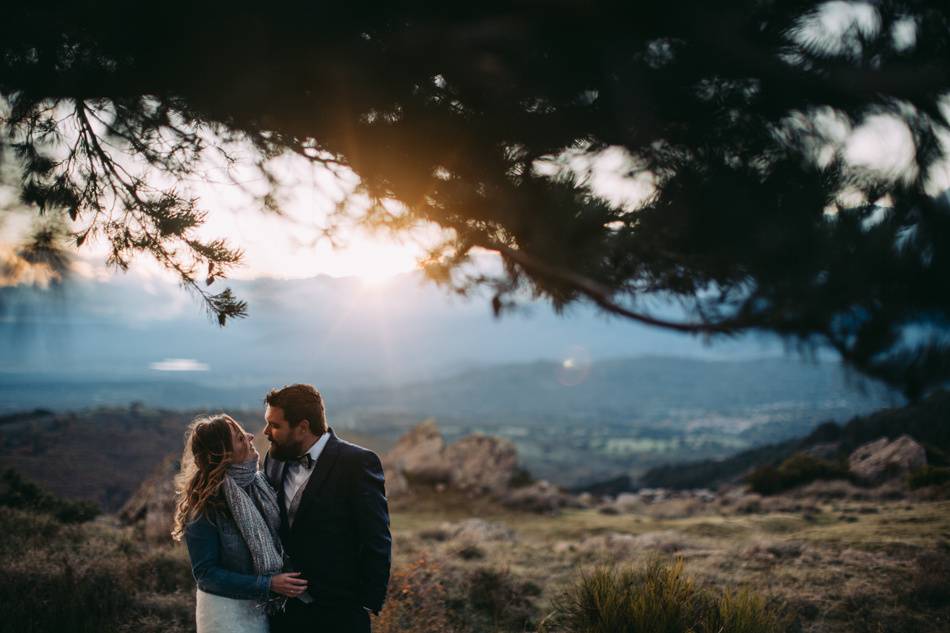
(227, 513)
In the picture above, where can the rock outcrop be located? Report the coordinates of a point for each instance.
(482, 464)
(419, 456)
(477, 464)
(153, 504)
(876, 462)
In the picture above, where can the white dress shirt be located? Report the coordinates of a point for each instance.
(298, 476)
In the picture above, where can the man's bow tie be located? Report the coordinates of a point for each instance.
(304, 460)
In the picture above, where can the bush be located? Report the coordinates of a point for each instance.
(930, 582)
(425, 597)
(23, 530)
(797, 470)
(42, 595)
(520, 478)
(657, 598)
(499, 599)
(17, 492)
(416, 601)
(164, 570)
(87, 577)
(470, 552)
(929, 476)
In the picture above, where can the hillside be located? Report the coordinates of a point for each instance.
(102, 454)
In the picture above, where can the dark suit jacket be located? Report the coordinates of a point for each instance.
(340, 540)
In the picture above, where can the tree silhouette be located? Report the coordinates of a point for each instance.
(754, 212)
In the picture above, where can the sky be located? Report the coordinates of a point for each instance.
(291, 247)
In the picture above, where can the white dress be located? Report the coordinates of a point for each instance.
(217, 614)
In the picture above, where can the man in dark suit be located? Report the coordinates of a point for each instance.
(334, 516)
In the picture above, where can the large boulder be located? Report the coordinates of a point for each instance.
(478, 464)
(883, 459)
(418, 456)
(482, 464)
(397, 485)
(153, 504)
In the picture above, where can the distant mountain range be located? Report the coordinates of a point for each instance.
(657, 390)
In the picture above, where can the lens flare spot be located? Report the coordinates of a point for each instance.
(575, 366)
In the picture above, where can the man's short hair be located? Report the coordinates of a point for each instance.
(300, 402)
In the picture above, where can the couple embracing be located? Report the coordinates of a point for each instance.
(302, 545)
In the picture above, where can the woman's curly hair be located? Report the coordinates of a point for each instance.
(208, 453)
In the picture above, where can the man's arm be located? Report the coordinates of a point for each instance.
(372, 520)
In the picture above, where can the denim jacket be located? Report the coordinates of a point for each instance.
(220, 560)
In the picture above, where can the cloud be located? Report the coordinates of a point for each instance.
(15, 270)
(179, 364)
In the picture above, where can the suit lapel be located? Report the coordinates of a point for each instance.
(320, 471)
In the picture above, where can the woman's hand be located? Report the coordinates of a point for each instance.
(288, 584)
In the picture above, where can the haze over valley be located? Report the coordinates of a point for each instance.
(583, 397)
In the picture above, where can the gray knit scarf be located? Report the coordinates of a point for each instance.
(253, 505)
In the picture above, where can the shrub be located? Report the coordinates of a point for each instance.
(797, 470)
(87, 578)
(498, 598)
(22, 530)
(17, 492)
(520, 478)
(930, 583)
(416, 601)
(42, 595)
(929, 476)
(656, 598)
(164, 570)
(470, 551)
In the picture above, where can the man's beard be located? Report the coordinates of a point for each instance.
(284, 452)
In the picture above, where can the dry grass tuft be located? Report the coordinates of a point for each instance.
(657, 598)
(618, 600)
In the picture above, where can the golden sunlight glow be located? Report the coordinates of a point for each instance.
(373, 259)
(283, 246)
(270, 250)
(286, 245)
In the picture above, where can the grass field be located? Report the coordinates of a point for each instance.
(837, 565)
(468, 565)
